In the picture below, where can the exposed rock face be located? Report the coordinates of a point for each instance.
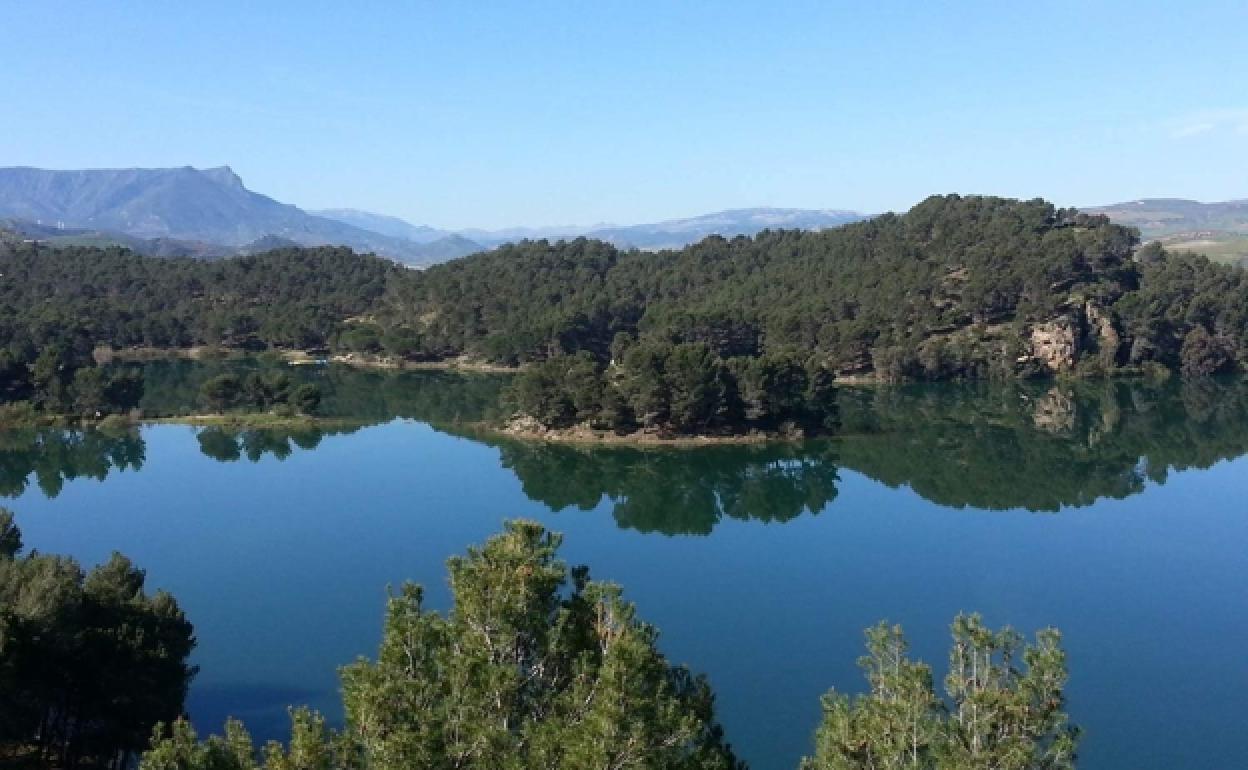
(1101, 334)
(1055, 344)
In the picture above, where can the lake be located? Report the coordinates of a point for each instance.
(1114, 511)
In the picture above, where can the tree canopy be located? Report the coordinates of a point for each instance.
(725, 336)
(89, 661)
(534, 666)
(957, 287)
(1004, 709)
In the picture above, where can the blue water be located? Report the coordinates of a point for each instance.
(282, 565)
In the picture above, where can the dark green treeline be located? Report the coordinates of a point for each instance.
(957, 287)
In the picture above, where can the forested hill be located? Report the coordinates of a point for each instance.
(956, 287)
(80, 297)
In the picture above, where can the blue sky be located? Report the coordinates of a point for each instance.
(483, 113)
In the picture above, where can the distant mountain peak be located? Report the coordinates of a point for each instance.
(224, 175)
(213, 206)
(204, 205)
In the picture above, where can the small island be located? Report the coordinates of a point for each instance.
(654, 392)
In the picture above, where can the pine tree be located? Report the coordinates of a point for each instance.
(998, 716)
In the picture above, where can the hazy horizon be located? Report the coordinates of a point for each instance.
(538, 115)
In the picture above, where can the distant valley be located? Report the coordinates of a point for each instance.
(1217, 230)
(667, 234)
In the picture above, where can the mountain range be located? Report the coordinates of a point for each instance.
(210, 212)
(207, 206)
(668, 234)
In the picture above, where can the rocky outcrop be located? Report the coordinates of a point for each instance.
(1058, 345)
(1055, 344)
(1100, 334)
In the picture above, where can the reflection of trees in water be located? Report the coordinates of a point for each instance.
(678, 491)
(1040, 447)
(366, 395)
(55, 456)
(227, 445)
(1033, 446)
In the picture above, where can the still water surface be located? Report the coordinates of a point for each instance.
(1115, 512)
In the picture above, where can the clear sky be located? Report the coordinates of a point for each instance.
(481, 113)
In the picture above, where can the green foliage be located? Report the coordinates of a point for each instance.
(1202, 355)
(551, 391)
(260, 391)
(288, 298)
(402, 342)
(950, 289)
(848, 295)
(683, 389)
(312, 747)
(697, 386)
(361, 338)
(305, 398)
(535, 666)
(60, 381)
(89, 662)
(1004, 709)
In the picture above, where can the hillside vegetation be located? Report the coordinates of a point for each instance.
(82, 297)
(958, 287)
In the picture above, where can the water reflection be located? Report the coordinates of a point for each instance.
(1035, 447)
(228, 445)
(1040, 448)
(54, 456)
(678, 491)
(995, 447)
(363, 396)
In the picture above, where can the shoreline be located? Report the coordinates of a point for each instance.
(471, 365)
(581, 436)
(300, 358)
(242, 421)
(254, 421)
(461, 364)
(575, 437)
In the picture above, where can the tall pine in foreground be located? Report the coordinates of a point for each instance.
(1004, 709)
(535, 666)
